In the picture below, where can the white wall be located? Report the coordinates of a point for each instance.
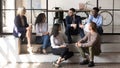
(66, 4)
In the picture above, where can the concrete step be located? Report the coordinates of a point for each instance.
(103, 58)
(105, 47)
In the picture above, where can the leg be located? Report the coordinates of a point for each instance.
(68, 33)
(82, 34)
(91, 57)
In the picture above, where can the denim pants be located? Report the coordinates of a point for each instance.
(44, 40)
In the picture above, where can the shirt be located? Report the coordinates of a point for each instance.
(98, 20)
(57, 41)
(41, 28)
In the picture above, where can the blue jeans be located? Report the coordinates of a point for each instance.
(45, 40)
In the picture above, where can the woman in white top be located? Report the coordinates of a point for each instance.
(59, 46)
(42, 34)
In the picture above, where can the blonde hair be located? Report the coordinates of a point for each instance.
(20, 10)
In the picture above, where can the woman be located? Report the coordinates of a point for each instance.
(42, 34)
(90, 44)
(59, 46)
(22, 29)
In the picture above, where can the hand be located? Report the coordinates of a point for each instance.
(62, 46)
(46, 33)
(74, 26)
(81, 26)
(78, 44)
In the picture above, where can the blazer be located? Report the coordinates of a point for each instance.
(69, 20)
(19, 29)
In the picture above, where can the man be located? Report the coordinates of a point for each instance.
(73, 25)
(89, 45)
(95, 17)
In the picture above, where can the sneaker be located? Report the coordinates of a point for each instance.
(91, 64)
(44, 51)
(56, 64)
(84, 62)
(30, 50)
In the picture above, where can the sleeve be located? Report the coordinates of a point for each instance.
(18, 25)
(53, 45)
(25, 19)
(89, 19)
(90, 43)
(38, 33)
(100, 21)
(84, 39)
(67, 20)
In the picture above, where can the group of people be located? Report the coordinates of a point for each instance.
(88, 46)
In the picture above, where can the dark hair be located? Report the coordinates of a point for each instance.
(72, 9)
(96, 9)
(93, 26)
(55, 29)
(40, 18)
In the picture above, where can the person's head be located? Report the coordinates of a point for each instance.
(93, 27)
(55, 30)
(71, 12)
(40, 18)
(95, 11)
(21, 11)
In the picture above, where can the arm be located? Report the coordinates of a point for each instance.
(83, 40)
(100, 21)
(89, 19)
(18, 24)
(67, 20)
(53, 45)
(38, 33)
(90, 43)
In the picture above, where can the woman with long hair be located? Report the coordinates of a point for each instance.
(58, 45)
(22, 29)
(42, 34)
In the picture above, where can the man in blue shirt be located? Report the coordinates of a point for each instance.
(73, 25)
(95, 17)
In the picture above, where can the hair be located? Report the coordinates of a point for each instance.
(93, 26)
(72, 9)
(96, 9)
(40, 18)
(20, 10)
(55, 29)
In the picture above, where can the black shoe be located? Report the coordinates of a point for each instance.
(84, 62)
(91, 64)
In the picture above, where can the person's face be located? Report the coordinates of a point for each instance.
(24, 11)
(70, 13)
(94, 12)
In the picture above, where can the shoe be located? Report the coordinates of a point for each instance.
(84, 62)
(91, 64)
(56, 64)
(44, 51)
(30, 50)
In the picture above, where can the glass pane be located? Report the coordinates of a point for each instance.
(104, 4)
(117, 22)
(39, 4)
(8, 4)
(8, 20)
(117, 4)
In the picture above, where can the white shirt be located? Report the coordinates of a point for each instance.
(41, 28)
(56, 42)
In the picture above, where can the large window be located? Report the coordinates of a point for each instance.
(9, 7)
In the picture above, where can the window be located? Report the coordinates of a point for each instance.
(33, 7)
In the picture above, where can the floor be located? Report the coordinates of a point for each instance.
(64, 65)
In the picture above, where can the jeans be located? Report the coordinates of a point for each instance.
(45, 40)
(71, 31)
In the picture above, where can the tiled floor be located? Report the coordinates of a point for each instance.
(64, 65)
